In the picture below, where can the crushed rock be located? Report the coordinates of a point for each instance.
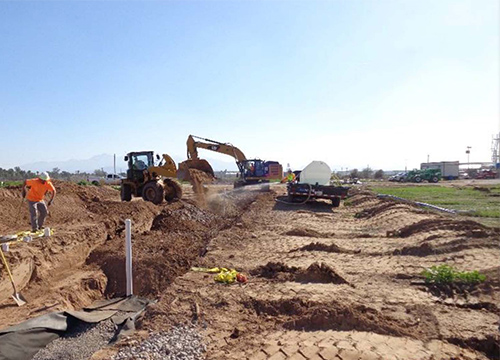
(79, 344)
(180, 343)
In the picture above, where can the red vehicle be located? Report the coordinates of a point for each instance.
(486, 174)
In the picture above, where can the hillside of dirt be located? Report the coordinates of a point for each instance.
(324, 283)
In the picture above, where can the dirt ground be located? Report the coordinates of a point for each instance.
(323, 283)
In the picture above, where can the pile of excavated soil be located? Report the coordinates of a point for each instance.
(307, 233)
(387, 205)
(178, 235)
(333, 248)
(468, 227)
(315, 273)
(50, 271)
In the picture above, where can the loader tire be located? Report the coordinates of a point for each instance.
(126, 193)
(173, 190)
(153, 192)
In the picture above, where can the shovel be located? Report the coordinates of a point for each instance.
(18, 298)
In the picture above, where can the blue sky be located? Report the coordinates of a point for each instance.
(352, 83)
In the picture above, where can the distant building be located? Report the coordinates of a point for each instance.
(449, 169)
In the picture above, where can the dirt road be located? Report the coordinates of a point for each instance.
(323, 283)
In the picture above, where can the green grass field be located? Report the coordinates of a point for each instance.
(10, 183)
(484, 205)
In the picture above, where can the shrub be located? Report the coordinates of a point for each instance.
(445, 274)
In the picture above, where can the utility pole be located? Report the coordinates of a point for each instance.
(468, 156)
(428, 158)
(114, 164)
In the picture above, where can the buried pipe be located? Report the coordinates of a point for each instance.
(128, 256)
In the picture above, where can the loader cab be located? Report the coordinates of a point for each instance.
(138, 162)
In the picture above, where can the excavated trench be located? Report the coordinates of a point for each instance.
(315, 273)
(165, 250)
(84, 260)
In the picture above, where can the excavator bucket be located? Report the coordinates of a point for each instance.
(185, 172)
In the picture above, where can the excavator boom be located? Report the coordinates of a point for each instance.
(228, 149)
(194, 162)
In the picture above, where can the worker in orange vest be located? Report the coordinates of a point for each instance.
(34, 191)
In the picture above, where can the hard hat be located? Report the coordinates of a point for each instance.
(44, 176)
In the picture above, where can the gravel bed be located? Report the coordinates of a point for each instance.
(79, 344)
(180, 343)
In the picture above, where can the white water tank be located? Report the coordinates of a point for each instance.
(316, 172)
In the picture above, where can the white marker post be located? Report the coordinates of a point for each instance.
(128, 256)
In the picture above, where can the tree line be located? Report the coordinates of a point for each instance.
(366, 173)
(18, 174)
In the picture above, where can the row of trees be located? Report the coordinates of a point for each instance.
(366, 173)
(17, 174)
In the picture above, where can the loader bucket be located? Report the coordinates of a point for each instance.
(202, 165)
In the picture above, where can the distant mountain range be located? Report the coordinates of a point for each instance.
(105, 162)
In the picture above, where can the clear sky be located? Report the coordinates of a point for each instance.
(352, 83)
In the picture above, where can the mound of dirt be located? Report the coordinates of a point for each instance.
(483, 189)
(426, 248)
(361, 198)
(489, 345)
(466, 227)
(319, 273)
(274, 270)
(315, 273)
(386, 206)
(302, 315)
(306, 233)
(183, 217)
(178, 235)
(333, 248)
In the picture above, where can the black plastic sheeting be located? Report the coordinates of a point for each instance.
(24, 340)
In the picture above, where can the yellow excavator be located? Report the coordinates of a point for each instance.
(153, 182)
(251, 171)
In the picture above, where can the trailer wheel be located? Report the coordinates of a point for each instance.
(126, 193)
(153, 192)
(336, 202)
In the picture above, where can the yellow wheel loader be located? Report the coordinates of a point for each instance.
(152, 182)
